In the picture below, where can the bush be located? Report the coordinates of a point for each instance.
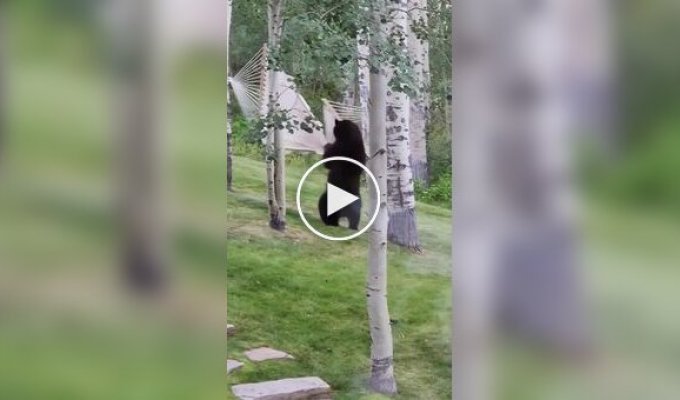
(438, 192)
(242, 139)
(438, 144)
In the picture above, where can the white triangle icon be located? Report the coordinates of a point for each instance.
(337, 199)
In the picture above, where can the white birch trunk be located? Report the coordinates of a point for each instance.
(349, 94)
(276, 156)
(363, 83)
(3, 78)
(419, 52)
(401, 200)
(230, 151)
(382, 359)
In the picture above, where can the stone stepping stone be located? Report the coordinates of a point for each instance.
(231, 330)
(233, 365)
(266, 353)
(308, 388)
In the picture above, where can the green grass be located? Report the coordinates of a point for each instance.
(67, 330)
(305, 295)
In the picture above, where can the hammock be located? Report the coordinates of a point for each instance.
(249, 84)
(250, 89)
(333, 111)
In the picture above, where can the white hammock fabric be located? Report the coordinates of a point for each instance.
(249, 85)
(289, 99)
(333, 111)
(250, 89)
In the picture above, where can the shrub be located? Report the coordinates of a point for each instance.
(438, 192)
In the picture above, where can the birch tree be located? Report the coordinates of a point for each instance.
(276, 156)
(419, 53)
(382, 368)
(3, 79)
(230, 152)
(401, 201)
(140, 74)
(363, 73)
(349, 94)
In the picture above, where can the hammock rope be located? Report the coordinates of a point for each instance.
(247, 84)
(250, 87)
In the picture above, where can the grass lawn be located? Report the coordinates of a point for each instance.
(305, 295)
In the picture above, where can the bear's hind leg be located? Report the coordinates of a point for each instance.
(354, 215)
(330, 220)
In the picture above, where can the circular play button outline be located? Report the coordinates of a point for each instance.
(302, 215)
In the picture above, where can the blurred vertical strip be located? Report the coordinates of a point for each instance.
(3, 80)
(517, 277)
(472, 238)
(138, 81)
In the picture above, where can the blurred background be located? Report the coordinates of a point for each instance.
(112, 210)
(566, 167)
(112, 245)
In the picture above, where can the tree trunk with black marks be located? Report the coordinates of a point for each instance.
(382, 359)
(349, 94)
(363, 84)
(3, 80)
(401, 202)
(419, 52)
(276, 154)
(230, 150)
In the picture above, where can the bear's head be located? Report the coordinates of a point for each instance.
(346, 130)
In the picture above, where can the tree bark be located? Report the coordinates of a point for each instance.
(363, 84)
(401, 201)
(140, 76)
(230, 150)
(419, 52)
(276, 157)
(230, 147)
(349, 94)
(382, 360)
(3, 80)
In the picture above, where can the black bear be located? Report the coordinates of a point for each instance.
(346, 176)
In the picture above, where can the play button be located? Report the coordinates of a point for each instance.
(337, 199)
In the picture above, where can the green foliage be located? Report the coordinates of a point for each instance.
(318, 46)
(248, 31)
(438, 140)
(318, 49)
(439, 154)
(650, 177)
(644, 172)
(648, 66)
(243, 141)
(438, 128)
(438, 192)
